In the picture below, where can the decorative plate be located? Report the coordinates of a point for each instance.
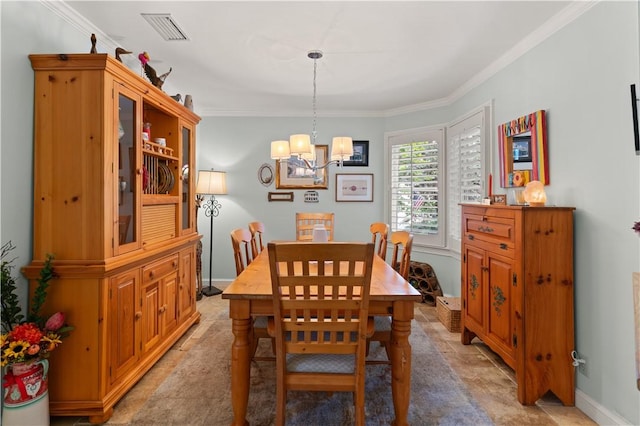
(165, 179)
(265, 174)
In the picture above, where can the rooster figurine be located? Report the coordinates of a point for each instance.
(154, 78)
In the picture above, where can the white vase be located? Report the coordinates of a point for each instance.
(26, 394)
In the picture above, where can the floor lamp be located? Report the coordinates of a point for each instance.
(211, 183)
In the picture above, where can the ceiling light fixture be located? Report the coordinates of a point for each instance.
(303, 145)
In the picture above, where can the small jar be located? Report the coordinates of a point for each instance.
(146, 128)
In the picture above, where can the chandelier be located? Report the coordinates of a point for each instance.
(303, 145)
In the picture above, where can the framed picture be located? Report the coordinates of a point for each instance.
(360, 155)
(280, 196)
(499, 199)
(636, 314)
(294, 174)
(354, 187)
(522, 148)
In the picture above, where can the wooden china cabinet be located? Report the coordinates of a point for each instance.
(517, 293)
(116, 211)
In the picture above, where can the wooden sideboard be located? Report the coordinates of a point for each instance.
(517, 293)
(116, 210)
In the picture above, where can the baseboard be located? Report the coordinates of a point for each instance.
(597, 412)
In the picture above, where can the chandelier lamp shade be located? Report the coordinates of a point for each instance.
(211, 183)
(303, 145)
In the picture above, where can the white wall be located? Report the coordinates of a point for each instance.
(580, 75)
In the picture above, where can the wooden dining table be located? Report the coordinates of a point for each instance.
(250, 295)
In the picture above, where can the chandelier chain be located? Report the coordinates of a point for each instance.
(315, 71)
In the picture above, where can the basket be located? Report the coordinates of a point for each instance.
(448, 309)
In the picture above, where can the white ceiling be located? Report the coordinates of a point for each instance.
(380, 58)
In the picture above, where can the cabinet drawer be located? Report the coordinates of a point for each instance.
(160, 268)
(491, 226)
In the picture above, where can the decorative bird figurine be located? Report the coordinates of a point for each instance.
(121, 51)
(177, 97)
(154, 78)
(93, 44)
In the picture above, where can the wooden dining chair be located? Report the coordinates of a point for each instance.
(380, 234)
(241, 242)
(402, 242)
(306, 221)
(256, 229)
(320, 296)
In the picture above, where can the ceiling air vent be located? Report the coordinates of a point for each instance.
(164, 24)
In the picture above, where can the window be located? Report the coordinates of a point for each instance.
(466, 163)
(415, 170)
(428, 178)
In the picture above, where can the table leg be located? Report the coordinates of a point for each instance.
(401, 360)
(240, 369)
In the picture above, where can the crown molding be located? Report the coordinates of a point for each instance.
(554, 24)
(557, 22)
(68, 14)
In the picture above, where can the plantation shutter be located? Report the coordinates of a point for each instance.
(416, 185)
(465, 169)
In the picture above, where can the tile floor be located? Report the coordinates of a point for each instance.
(489, 380)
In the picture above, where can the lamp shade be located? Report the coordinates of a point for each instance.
(341, 148)
(300, 144)
(211, 182)
(280, 150)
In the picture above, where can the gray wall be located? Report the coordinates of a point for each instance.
(580, 75)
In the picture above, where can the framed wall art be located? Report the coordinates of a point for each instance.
(354, 187)
(636, 315)
(266, 174)
(293, 173)
(280, 196)
(360, 155)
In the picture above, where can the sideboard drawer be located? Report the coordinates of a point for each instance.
(491, 226)
(160, 268)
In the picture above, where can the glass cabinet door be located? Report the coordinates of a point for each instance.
(128, 173)
(188, 198)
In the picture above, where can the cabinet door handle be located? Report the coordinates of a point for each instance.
(471, 237)
(162, 309)
(138, 315)
(503, 246)
(484, 268)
